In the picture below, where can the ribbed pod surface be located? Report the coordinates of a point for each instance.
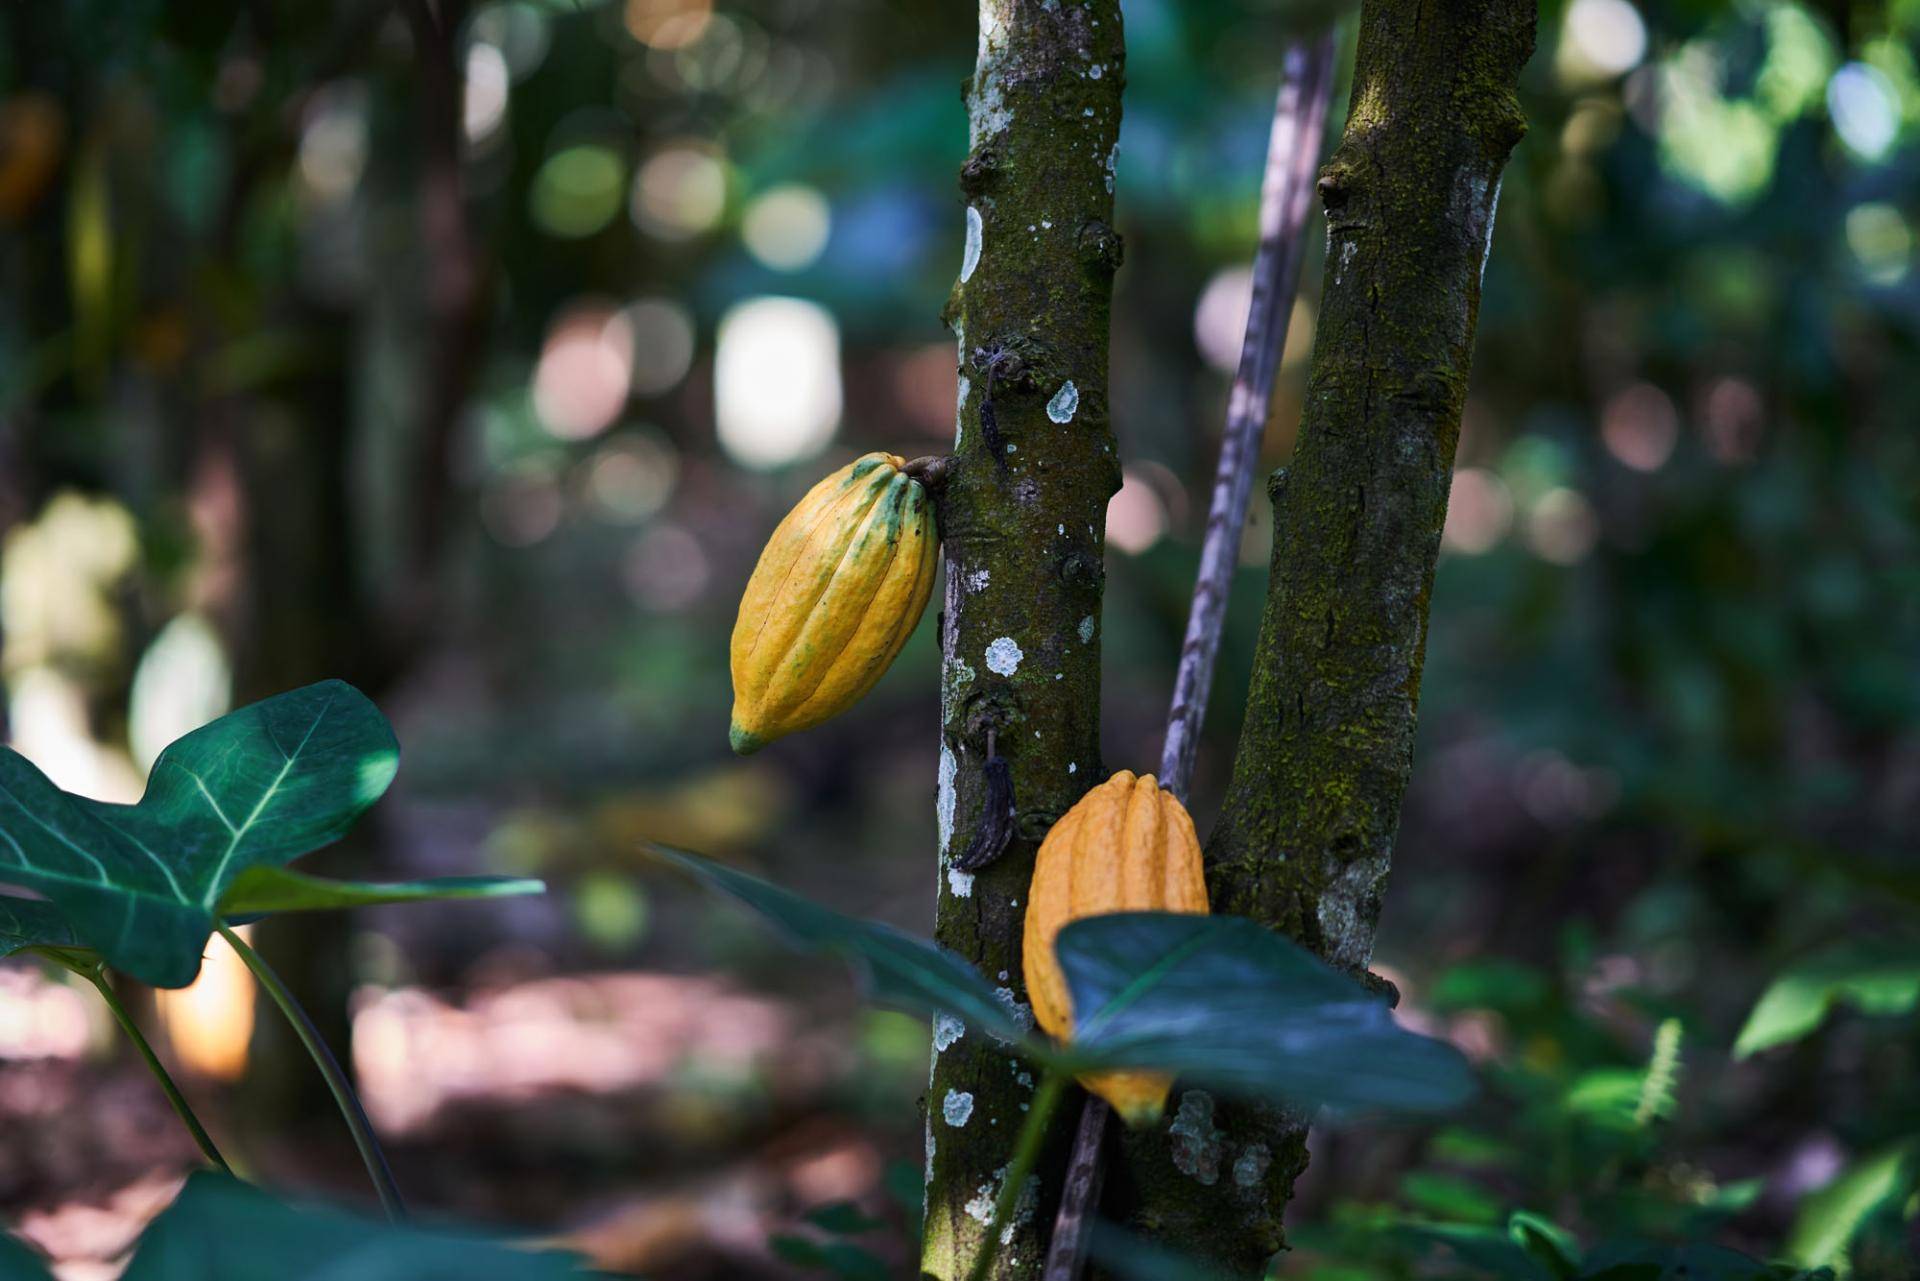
(1126, 846)
(838, 589)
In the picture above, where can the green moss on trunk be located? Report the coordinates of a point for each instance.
(1022, 519)
(1308, 826)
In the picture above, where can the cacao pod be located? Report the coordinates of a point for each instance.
(1126, 846)
(837, 591)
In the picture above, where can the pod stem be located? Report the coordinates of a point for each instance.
(929, 469)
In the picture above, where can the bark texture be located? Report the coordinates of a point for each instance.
(1022, 521)
(1307, 830)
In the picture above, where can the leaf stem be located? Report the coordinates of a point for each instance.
(343, 1095)
(1026, 1154)
(97, 975)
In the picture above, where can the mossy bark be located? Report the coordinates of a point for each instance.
(1022, 522)
(1307, 829)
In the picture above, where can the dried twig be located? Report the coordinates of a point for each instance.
(1293, 154)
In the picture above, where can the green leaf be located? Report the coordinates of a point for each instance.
(263, 889)
(844, 1218)
(836, 1258)
(1550, 1244)
(1488, 1249)
(902, 972)
(220, 1229)
(1130, 1257)
(1829, 1219)
(1878, 976)
(1223, 1001)
(1633, 1260)
(26, 923)
(18, 1262)
(143, 883)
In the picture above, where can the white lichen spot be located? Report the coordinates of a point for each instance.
(1020, 1012)
(980, 1207)
(1003, 656)
(1073, 767)
(946, 1030)
(945, 797)
(1024, 1080)
(1086, 630)
(1060, 529)
(957, 1107)
(977, 580)
(1195, 1140)
(1252, 1165)
(1003, 976)
(1046, 224)
(976, 234)
(930, 1150)
(1065, 403)
(960, 883)
(1095, 71)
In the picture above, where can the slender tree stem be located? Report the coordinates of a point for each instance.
(1293, 154)
(98, 977)
(343, 1094)
(1026, 1154)
(1286, 196)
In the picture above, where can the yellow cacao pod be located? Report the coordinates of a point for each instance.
(1126, 846)
(838, 589)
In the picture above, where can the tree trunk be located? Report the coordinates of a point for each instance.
(1022, 520)
(1307, 830)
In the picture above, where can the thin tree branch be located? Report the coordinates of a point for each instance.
(1293, 154)
(1286, 197)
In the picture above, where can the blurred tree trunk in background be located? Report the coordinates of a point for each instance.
(1307, 831)
(310, 607)
(1023, 522)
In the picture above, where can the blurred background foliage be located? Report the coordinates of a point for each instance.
(469, 353)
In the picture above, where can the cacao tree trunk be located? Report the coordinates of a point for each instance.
(1022, 520)
(1307, 830)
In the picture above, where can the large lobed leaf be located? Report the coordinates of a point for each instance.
(225, 808)
(1225, 1002)
(220, 1229)
(1217, 1000)
(902, 972)
(26, 923)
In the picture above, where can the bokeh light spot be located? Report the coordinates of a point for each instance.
(786, 228)
(663, 341)
(679, 193)
(1136, 516)
(776, 381)
(1479, 512)
(1640, 426)
(1601, 38)
(581, 382)
(577, 191)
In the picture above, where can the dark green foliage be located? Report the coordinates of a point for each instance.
(225, 807)
(1216, 1000)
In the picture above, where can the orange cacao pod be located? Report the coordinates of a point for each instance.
(839, 587)
(1126, 846)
